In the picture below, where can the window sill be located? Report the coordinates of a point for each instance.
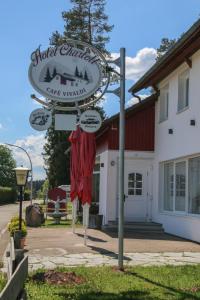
(182, 110)
(160, 122)
(180, 214)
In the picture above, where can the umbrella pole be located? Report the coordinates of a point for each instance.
(86, 208)
(74, 213)
(85, 236)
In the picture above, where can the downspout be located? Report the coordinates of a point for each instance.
(138, 97)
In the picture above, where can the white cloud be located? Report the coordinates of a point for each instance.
(135, 100)
(136, 66)
(33, 144)
(1, 126)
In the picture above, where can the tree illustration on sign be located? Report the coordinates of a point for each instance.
(54, 73)
(48, 77)
(76, 72)
(86, 76)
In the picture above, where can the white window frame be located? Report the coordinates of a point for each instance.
(186, 186)
(161, 193)
(164, 103)
(135, 181)
(183, 91)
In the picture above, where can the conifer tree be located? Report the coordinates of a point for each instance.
(85, 21)
(48, 76)
(54, 73)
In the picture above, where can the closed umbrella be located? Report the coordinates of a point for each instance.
(74, 138)
(87, 161)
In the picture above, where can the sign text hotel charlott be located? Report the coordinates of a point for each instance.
(65, 73)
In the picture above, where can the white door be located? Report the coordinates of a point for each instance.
(136, 193)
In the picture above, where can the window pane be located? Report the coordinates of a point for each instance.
(187, 92)
(168, 187)
(138, 191)
(164, 99)
(180, 186)
(131, 176)
(194, 185)
(131, 191)
(97, 167)
(95, 187)
(131, 184)
(139, 184)
(138, 177)
(183, 90)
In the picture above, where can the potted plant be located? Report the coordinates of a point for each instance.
(95, 220)
(18, 235)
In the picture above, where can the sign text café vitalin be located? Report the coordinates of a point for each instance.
(65, 73)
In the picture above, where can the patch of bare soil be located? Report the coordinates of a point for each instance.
(58, 278)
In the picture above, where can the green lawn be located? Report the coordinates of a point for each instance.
(2, 281)
(138, 283)
(50, 223)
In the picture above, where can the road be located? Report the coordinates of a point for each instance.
(6, 213)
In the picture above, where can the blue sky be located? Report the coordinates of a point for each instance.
(25, 24)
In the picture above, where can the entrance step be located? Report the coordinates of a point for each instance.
(137, 227)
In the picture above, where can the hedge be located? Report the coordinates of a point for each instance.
(7, 195)
(27, 195)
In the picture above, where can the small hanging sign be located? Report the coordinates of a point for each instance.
(40, 119)
(90, 121)
(65, 122)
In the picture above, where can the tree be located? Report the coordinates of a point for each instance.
(7, 163)
(165, 45)
(87, 22)
(48, 76)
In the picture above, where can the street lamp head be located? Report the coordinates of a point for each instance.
(21, 175)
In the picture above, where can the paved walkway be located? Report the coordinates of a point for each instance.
(38, 261)
(52, 247)
(49, 248)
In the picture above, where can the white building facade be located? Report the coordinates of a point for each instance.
(177, 152)
(176, 166)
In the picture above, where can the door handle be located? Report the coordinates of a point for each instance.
(125, 196)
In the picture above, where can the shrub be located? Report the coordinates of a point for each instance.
(27, 195)
(7, 195)
(14, 226)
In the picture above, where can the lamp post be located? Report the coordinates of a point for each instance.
(21, 178)
(31, 165)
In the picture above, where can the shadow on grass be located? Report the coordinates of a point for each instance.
(128, 295)
(182, 295)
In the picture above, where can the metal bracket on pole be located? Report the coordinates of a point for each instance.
(116, 62)
(117, 92)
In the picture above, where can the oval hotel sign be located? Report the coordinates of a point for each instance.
(65, 73)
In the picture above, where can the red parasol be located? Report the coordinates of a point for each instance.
(87, 160)
(74, 138)
(55, 193)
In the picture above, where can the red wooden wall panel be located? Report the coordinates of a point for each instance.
(139, 133)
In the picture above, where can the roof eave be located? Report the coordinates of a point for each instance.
(184, 46)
